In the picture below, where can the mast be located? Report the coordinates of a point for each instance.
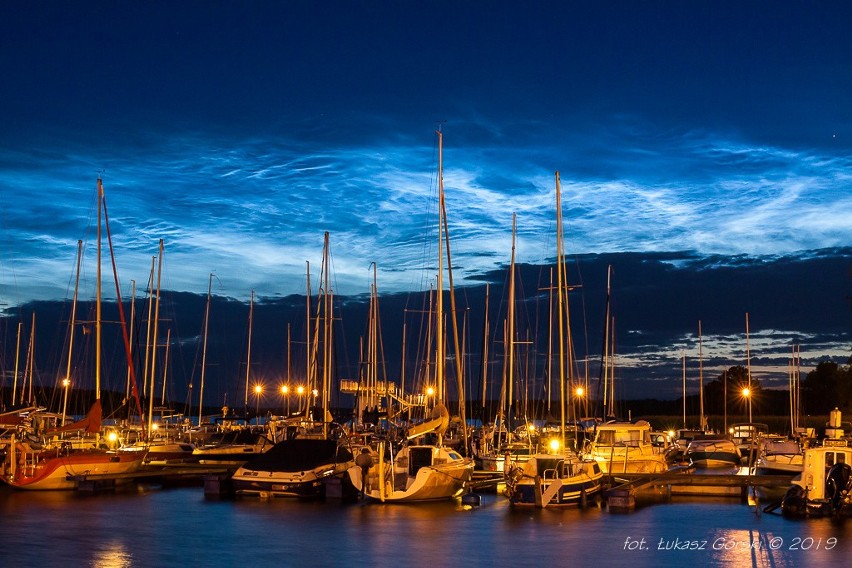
(607, 404)
(683, 355)
(17, 358)
(248, 353)
(702, 420)
(98, 299)
(510, 327)
(485, 325)
(71, 329)
(327, 337)
(132, 320)
(204, 350)
(308, 350)
(561, 300)
(31, 361)
(154, 339)
(148, 327)
(166, 366)
(748, 370)
(439, 300)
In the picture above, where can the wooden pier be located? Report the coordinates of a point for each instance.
(624, 488)
(166, 474)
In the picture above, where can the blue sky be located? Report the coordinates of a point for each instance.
(240, 132)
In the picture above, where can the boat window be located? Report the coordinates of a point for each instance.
(606, 437)
(829, 459)
(841, 457)
(544, 465)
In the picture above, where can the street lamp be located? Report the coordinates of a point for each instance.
(285, 392)
(301, 391)
(258, 390)
(66, 382)
(747, 395)
(580, 393)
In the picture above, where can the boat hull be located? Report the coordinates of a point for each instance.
(553, 481)
(439, 473)
(58, 473)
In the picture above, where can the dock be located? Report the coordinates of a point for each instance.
(166, 474)
(625, 487)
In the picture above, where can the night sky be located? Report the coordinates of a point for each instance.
(703, 147)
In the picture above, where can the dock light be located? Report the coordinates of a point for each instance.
(554, 445)
(579, 391)
(258, 390)
(430, 391)
(112, 437)
(66, 382)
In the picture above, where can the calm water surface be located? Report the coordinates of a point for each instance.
(180, 527)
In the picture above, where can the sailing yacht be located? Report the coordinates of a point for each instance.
(557, 476)
(422, 471)
(50, 466)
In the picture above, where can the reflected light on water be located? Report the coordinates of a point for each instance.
(112, 555)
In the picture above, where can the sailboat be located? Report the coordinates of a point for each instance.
(556, 475)
(34, 466)
(314, 451)
(421, 471)
(506, 450)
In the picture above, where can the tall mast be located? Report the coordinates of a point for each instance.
(485, 350)
(560, 305)
(439, 300)
(98, 299)
(748, 370)
(204, 350)
(607, 404)
(308, 350)
(148, 326)
(701, 419)
(132, 321)
(327, 337)
(248, 352)
(683, 355)
(154, 338)
(17, 359)
(510, 327)
(71, 327)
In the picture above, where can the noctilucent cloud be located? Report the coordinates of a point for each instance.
(240, 132)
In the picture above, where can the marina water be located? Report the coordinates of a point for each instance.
(149, 526)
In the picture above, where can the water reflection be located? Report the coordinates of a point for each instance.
(154, 528)
(112, 555)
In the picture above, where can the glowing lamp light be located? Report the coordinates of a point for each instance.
(531, 427)
(300, 389)
(671, 433)
(285, 389)
(430, 391)
(258, 389)
(155, 426)
(315, 392)
(579, 391)
(112, 436)
(66, 382)
(554, 445)
(746, 392)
